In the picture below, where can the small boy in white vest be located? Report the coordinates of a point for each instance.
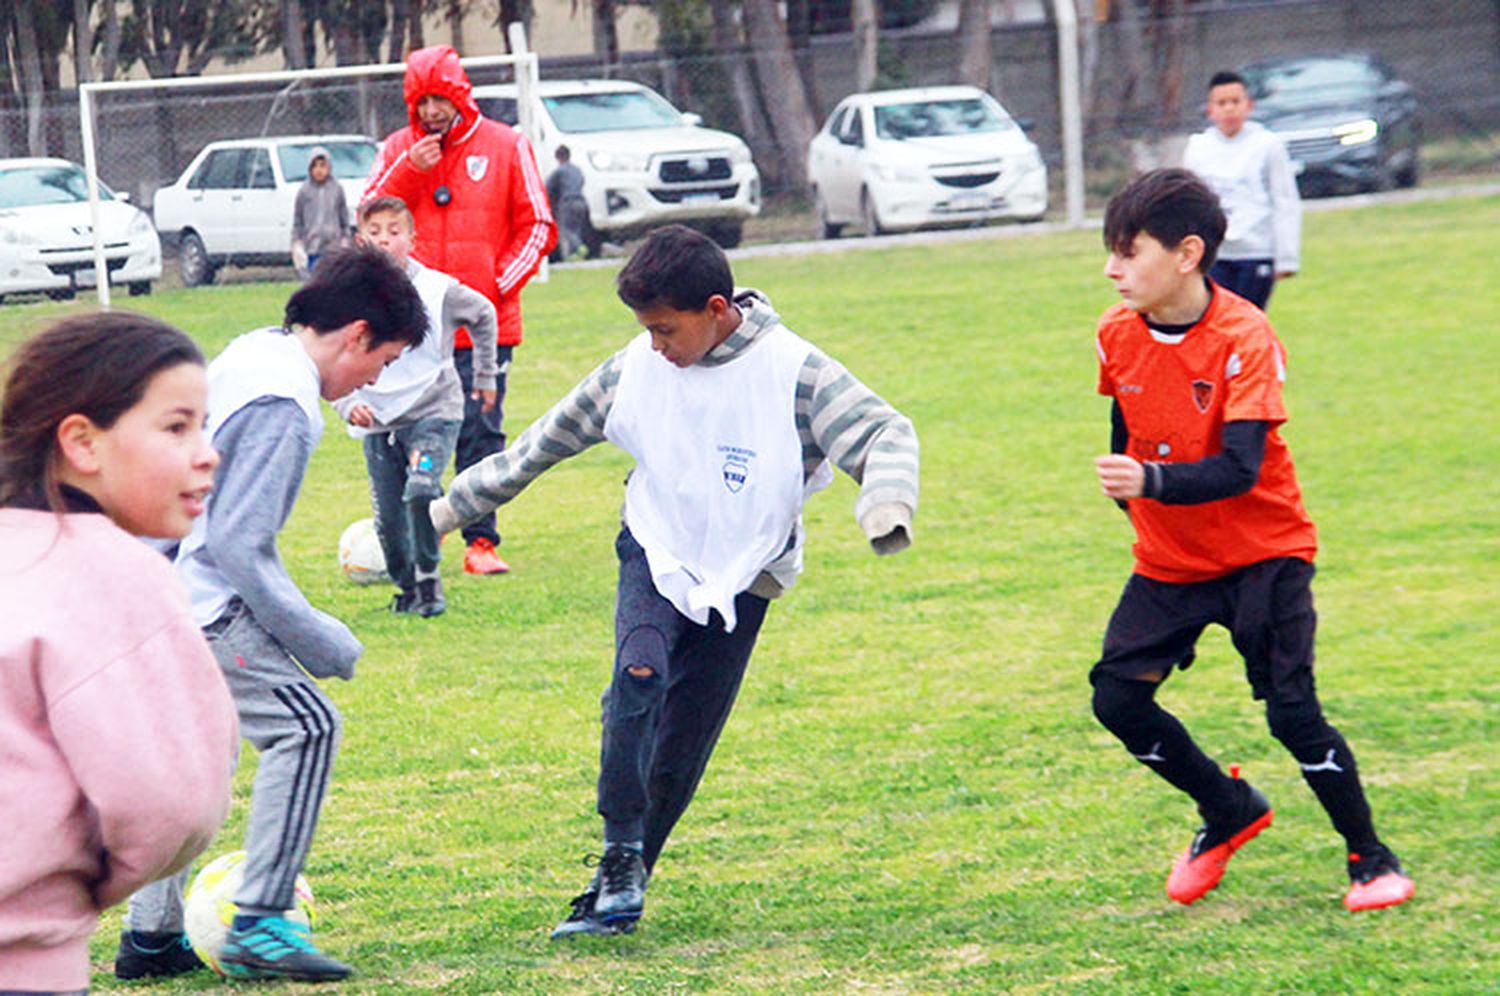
(409, 419)
(733, 421)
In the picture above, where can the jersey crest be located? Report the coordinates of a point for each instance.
(1203, 394)
(477, 166)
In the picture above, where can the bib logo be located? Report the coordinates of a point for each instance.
(736, 468)
(478, 166)
(1203, 393)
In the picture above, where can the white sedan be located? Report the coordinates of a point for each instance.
(47, 236)
(232, 205)
(898, 160)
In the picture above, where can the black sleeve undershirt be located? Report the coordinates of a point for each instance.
(1233, 471)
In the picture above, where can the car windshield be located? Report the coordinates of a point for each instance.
(350, 160)
(29, 186)
(921, 119)
(1310, 81)
(579, 112)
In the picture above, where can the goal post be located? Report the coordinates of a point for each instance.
(211, 107)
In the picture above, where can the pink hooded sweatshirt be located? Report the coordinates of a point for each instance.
(117, 735)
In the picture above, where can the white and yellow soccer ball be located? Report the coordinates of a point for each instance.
(210, 905)
(360, 556)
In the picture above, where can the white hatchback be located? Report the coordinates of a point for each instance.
(233, 204)
(47, 235)
(898, 160)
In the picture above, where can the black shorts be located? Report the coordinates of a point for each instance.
(1267, 608)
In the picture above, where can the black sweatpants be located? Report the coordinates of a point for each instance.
(659, 729)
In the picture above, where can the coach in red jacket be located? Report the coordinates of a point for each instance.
(482, 216)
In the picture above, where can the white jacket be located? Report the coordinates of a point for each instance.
(1252, 174)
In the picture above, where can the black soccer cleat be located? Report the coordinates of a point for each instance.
(144, 954)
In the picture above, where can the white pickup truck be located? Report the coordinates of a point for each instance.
(644, 162)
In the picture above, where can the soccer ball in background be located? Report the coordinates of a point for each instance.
(360, 556)
(210, 905)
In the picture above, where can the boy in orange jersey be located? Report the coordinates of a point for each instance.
(1195, 373)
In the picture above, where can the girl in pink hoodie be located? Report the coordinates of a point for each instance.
(116, 728)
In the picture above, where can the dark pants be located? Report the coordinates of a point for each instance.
(480, 435)
(1268, 610)
(407, 537)
(1251, 279)
(659, 729)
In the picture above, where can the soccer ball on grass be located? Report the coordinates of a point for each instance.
(360, 557)
(210, 905)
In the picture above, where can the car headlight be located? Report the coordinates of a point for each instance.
(739, 154)
(1357, 132)
(139, 225)
(617, 162)
(892, 173)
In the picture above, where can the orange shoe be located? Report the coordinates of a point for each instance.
(481, 558)
(1377, 881)
(1202, 865)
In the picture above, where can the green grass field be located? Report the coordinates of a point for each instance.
(912, 795)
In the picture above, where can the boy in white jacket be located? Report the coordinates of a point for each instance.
(1248, 167)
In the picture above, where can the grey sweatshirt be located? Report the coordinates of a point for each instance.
(838, 418)
(264, 450)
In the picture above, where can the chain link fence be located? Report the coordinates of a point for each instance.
(1144, 80)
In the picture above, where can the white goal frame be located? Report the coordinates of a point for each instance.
(522, 58)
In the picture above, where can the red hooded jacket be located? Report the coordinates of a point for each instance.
(497, 227)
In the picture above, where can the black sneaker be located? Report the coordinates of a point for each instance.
(404, 602)
(1202, 865)
(583, 921)
(1376, 880)
(278, 948)
(430, 600)
(145, 954)
(622, 884)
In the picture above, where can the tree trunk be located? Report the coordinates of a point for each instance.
(512, 11)
(606, 35)
(753, 127)
(29, 59)
(456, 25)
(781, 85)
(401, 16)
(1166, 52)
(864, 16)
(294, 35)
(976, 59)
(109, 55)
(83, 42)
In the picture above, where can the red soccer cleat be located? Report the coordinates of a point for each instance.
(1202, 865)
(1377, 881)
(481, 558)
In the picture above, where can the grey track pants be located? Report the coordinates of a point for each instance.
(294, 726)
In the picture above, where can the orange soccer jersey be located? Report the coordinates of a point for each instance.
(1176, 393)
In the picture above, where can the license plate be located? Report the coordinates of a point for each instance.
(969, 202)
(702, 197)
(84, 277)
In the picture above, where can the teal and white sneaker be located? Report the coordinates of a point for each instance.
(277, 948)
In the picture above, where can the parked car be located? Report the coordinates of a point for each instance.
(644, 162)
(1348, 122)
(47, 235)
(897, 160)
(232, 206)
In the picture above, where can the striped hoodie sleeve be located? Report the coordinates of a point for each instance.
(572, 425)
(839, 418)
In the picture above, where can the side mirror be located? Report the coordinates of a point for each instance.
(122, 196)
(692, 119)
(1026, 124)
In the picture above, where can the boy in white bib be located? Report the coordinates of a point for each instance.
(733, 421)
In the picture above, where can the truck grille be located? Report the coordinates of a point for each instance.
(694, 169)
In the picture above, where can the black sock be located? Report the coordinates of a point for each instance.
(1154, 737)
(1329, 769)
